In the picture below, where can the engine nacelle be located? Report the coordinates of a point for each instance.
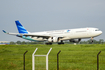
(75, 40)
(50, 39)
(53, 39)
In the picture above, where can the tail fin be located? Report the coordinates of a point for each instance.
(20, 28)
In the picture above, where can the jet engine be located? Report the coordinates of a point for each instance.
(53, 39)
(75, 40)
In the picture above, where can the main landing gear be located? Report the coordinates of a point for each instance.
(51, 43)
(48, 43)
(61, 42)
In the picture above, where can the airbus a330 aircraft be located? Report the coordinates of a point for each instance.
(73, 35)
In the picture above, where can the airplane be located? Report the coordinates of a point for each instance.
(58, 36)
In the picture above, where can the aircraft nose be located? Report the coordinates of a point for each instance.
(100, 32)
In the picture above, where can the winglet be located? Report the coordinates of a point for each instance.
(4, 31)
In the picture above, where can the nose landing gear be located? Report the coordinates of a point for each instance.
(92, 40)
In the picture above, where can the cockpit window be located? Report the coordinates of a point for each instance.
(97, 30)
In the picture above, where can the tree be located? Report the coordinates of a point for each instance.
(101, 41)
(12, 42)
(23, 42)
(18, 42)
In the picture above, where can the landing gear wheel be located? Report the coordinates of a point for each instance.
(48, 43)
(60, 43)
(92, 41)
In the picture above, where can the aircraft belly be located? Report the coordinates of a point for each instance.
(28, 38)
(38, 39)
(33, 39)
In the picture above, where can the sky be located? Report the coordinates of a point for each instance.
(45, 15)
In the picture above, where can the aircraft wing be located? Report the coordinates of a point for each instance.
(32, 35)
(44, 36)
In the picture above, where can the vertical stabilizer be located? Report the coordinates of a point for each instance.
(20, 28)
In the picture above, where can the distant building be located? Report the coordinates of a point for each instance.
(4, 42)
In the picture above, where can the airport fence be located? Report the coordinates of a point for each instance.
(68, 60)
(71, 57)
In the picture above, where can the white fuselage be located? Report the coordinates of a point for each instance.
(68, 34)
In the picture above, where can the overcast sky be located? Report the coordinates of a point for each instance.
(45, 15)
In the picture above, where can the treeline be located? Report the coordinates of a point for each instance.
(101, 41)
(24, 42)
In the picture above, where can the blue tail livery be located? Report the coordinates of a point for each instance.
(20, 28)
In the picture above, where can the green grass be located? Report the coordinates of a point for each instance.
(72, 57)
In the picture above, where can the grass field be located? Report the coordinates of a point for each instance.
(72, 57)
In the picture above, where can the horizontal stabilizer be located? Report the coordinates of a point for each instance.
(10, 33)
